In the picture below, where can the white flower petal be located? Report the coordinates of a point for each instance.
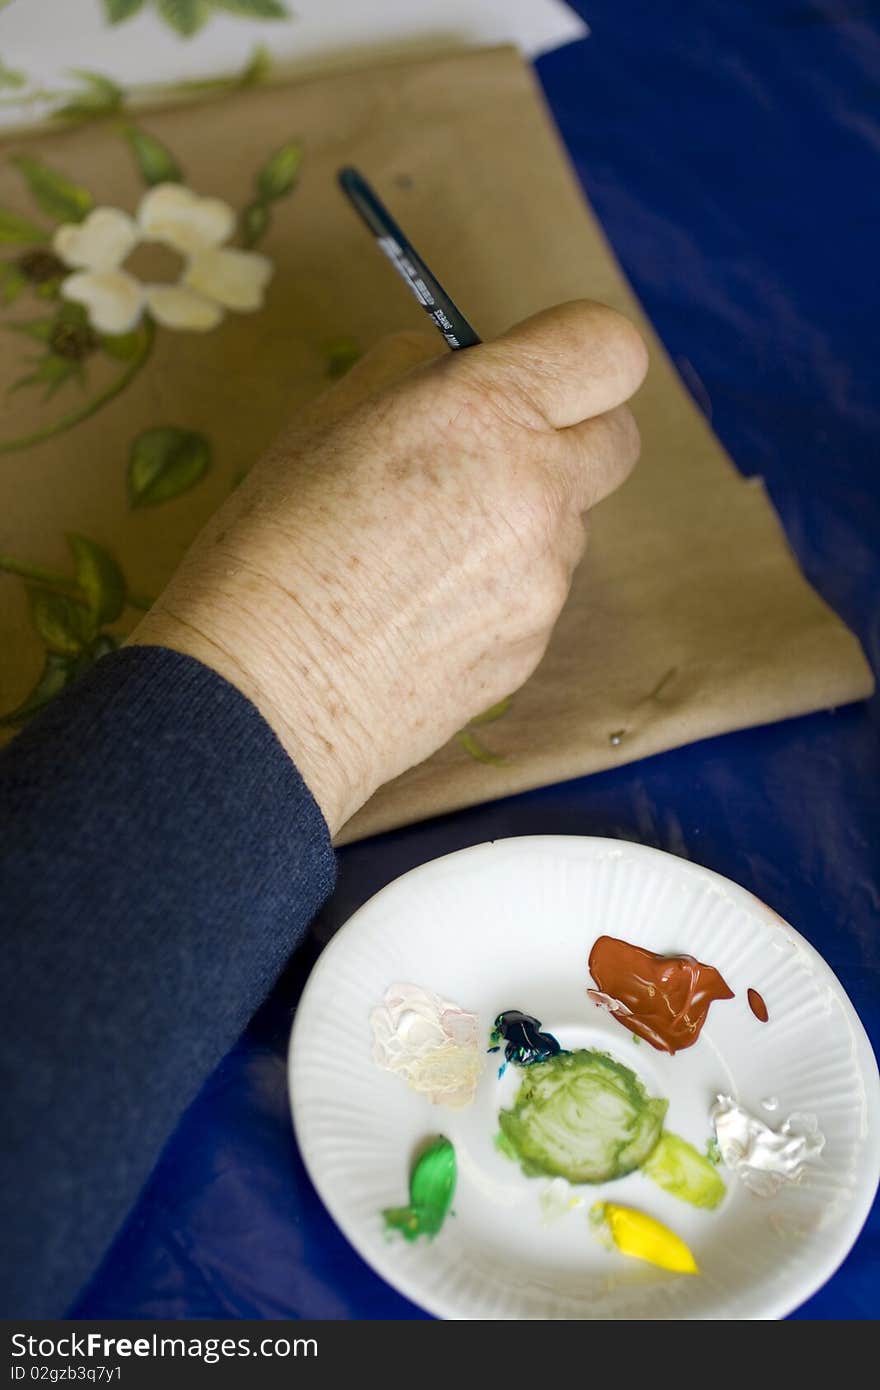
(114, 300)
(176, 307)
(101, 242)
(235, 279)
(181, 219)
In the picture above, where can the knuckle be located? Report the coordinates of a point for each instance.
(493, 393)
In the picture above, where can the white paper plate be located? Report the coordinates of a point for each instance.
(510, 925)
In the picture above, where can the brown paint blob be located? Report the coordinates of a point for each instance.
(663, 999)
(757, 1006)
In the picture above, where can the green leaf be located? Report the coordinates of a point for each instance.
(104, 644)
(58, 672)
(54, 193)
(257, 67)
(156, 163)
(101, 97)
(341, 354)
(279, 174)
(164, 463)
(12, 77)
(72, 313)
(12, 281)
(256, 9)
(118, 10)
(186, 16)
(103, 88)
(490, 715)
(254, 222)
(100, 579)
(18, 231)
(474, 748)
(65, 624)
(80, 110)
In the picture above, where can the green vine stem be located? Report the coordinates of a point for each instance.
(74, 417)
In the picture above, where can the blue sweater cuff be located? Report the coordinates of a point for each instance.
(161, 858)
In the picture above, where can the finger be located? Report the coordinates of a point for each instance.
(385, 363)
(564, 365)
(596, 456)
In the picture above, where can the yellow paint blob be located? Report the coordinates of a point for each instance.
(641, 1236)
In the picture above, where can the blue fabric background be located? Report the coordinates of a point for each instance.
(730, 148)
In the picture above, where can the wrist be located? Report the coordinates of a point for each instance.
(281, 659)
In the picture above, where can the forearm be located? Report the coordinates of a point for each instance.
(161, 858)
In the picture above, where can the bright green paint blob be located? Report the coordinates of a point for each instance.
(582, 1116)
(681, 1170)
(431, 1188)
(504, 1146)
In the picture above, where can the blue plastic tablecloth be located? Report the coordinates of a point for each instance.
(731, 149)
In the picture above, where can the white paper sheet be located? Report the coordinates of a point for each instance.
(45, 39)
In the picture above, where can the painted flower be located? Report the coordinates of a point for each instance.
(214, 277)
(430, 1042)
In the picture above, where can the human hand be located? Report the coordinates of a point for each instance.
(395, 563)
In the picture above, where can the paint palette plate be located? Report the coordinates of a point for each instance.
(510, 925)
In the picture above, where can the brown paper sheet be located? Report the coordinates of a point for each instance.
(689, 616)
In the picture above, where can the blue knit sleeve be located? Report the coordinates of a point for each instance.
(160, 859)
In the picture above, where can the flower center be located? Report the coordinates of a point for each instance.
(41, 266)
(154, 263)
(71, 336)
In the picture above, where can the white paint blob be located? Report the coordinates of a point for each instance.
(764, 1158)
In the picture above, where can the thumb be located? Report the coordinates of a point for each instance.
(563, 365)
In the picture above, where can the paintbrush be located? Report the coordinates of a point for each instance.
(442, 311)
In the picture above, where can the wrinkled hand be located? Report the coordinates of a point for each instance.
(395, 563)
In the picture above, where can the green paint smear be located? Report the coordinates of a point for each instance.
(683, 1172)
(431, 1188)
(582, 1116)
(504, 1146)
